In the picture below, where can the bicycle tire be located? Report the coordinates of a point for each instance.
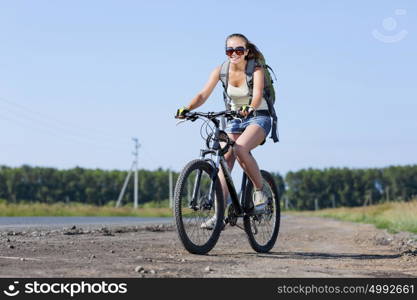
(263, 247)
(180, 206)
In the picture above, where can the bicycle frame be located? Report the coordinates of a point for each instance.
(200, 229)
(218, 163)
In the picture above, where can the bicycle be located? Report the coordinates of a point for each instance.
(198, 196)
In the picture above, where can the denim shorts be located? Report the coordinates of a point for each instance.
(239, 125)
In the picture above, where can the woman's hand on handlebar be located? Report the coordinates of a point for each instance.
(181, 112)
(246, 110)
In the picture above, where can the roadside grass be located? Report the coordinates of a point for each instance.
(393, 216)
(79, 209)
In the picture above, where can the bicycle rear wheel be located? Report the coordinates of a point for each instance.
(190, 213)
(262, 230)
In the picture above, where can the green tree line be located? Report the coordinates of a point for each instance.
(48, 185)
(335, 187)
(303, 189)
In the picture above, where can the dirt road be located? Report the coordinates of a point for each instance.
(306, 247)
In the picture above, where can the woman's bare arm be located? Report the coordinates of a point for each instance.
(258, 87)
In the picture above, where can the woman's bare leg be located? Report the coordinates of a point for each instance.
(230, 158)
(248, 140)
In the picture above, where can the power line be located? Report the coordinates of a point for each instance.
(150, 156)
(69, 127)
(53, 132)
(34, 120)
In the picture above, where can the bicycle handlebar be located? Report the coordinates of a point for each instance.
(210, 115)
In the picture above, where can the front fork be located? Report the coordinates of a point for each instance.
(196, 189)
(219, 162)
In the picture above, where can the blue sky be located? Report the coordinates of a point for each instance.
(78, 79)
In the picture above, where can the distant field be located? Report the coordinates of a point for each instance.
(77, 209)
(393, 216)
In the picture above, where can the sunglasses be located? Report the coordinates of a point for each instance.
(238, 50)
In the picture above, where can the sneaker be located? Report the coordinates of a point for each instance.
(260, 198)
(210, 223)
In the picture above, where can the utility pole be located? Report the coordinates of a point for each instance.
(133, 168)
(333, 201)
(122, 192)
(365, 202)
(136, 187)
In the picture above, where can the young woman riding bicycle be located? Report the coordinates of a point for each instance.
(252, 129)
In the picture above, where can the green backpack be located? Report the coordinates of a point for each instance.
(268, 93)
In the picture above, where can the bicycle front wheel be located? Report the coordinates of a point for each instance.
(192, 214)
(262, 229)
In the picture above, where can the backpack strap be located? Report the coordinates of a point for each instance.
(275, 76)
(274, 130)
(250, 69)
(224, 78)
